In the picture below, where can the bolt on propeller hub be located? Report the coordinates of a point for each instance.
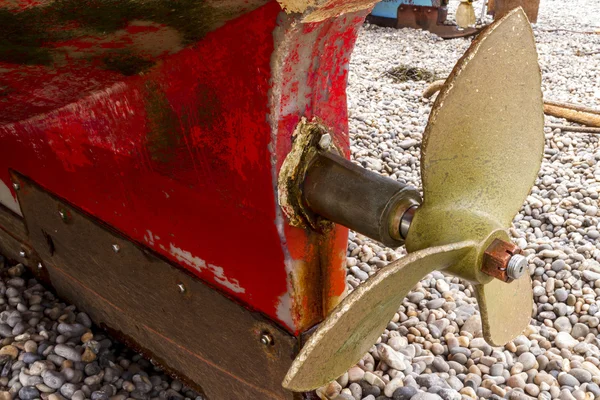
(504, 261)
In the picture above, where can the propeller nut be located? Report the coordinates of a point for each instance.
(504, 261)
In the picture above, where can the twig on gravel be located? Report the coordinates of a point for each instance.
(433, 88)
(572, 115)
(589, 53)
(575, 107)
(597, 32)
(573, 128)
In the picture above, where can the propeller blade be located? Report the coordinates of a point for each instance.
(505, 309)
(484, 142)
(356, 323)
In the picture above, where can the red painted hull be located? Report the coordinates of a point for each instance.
(183, 157)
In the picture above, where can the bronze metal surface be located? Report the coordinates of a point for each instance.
(505, 309)
(484, 142)
(481, 153)
(496, 257)
(356, 323)
(208, 339)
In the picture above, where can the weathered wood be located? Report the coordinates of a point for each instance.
(11, 222)
(13, 238)
(573, 115)
(575, 107)
(198, 333)
(11, 248)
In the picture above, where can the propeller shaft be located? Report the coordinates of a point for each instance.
(359, 199)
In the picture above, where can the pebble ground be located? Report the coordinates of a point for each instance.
(50, 350)
(432, 349)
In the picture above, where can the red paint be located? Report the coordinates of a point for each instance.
(179, 157)
(31, 90)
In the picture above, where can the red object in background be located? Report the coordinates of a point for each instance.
(182, 156)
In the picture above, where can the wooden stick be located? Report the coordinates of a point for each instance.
(571, 128)
(433, 88)
(575, 107)
(573, 115)
(596, 32)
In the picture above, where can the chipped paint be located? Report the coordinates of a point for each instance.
(150, 238)
(192, 200)
(232, 284)
(187, 258)
(7, 199)
(284, 309)
(195, 198)
(199, 264)
(309, 70)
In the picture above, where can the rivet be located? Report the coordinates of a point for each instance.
(116, 248)
(16, 186)
(181, 287)
(63, 214)
(23, 254)
(266, 339)
(325, 141)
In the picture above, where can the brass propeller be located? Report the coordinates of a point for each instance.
(480, 155)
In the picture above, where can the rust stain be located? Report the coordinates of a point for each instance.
(291, 176)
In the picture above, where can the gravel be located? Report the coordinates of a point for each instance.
(436, 333)
(51, 351)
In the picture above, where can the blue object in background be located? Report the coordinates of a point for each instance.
(389, 8)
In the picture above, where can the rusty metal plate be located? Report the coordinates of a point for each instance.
(200, 335)
(356, 323)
